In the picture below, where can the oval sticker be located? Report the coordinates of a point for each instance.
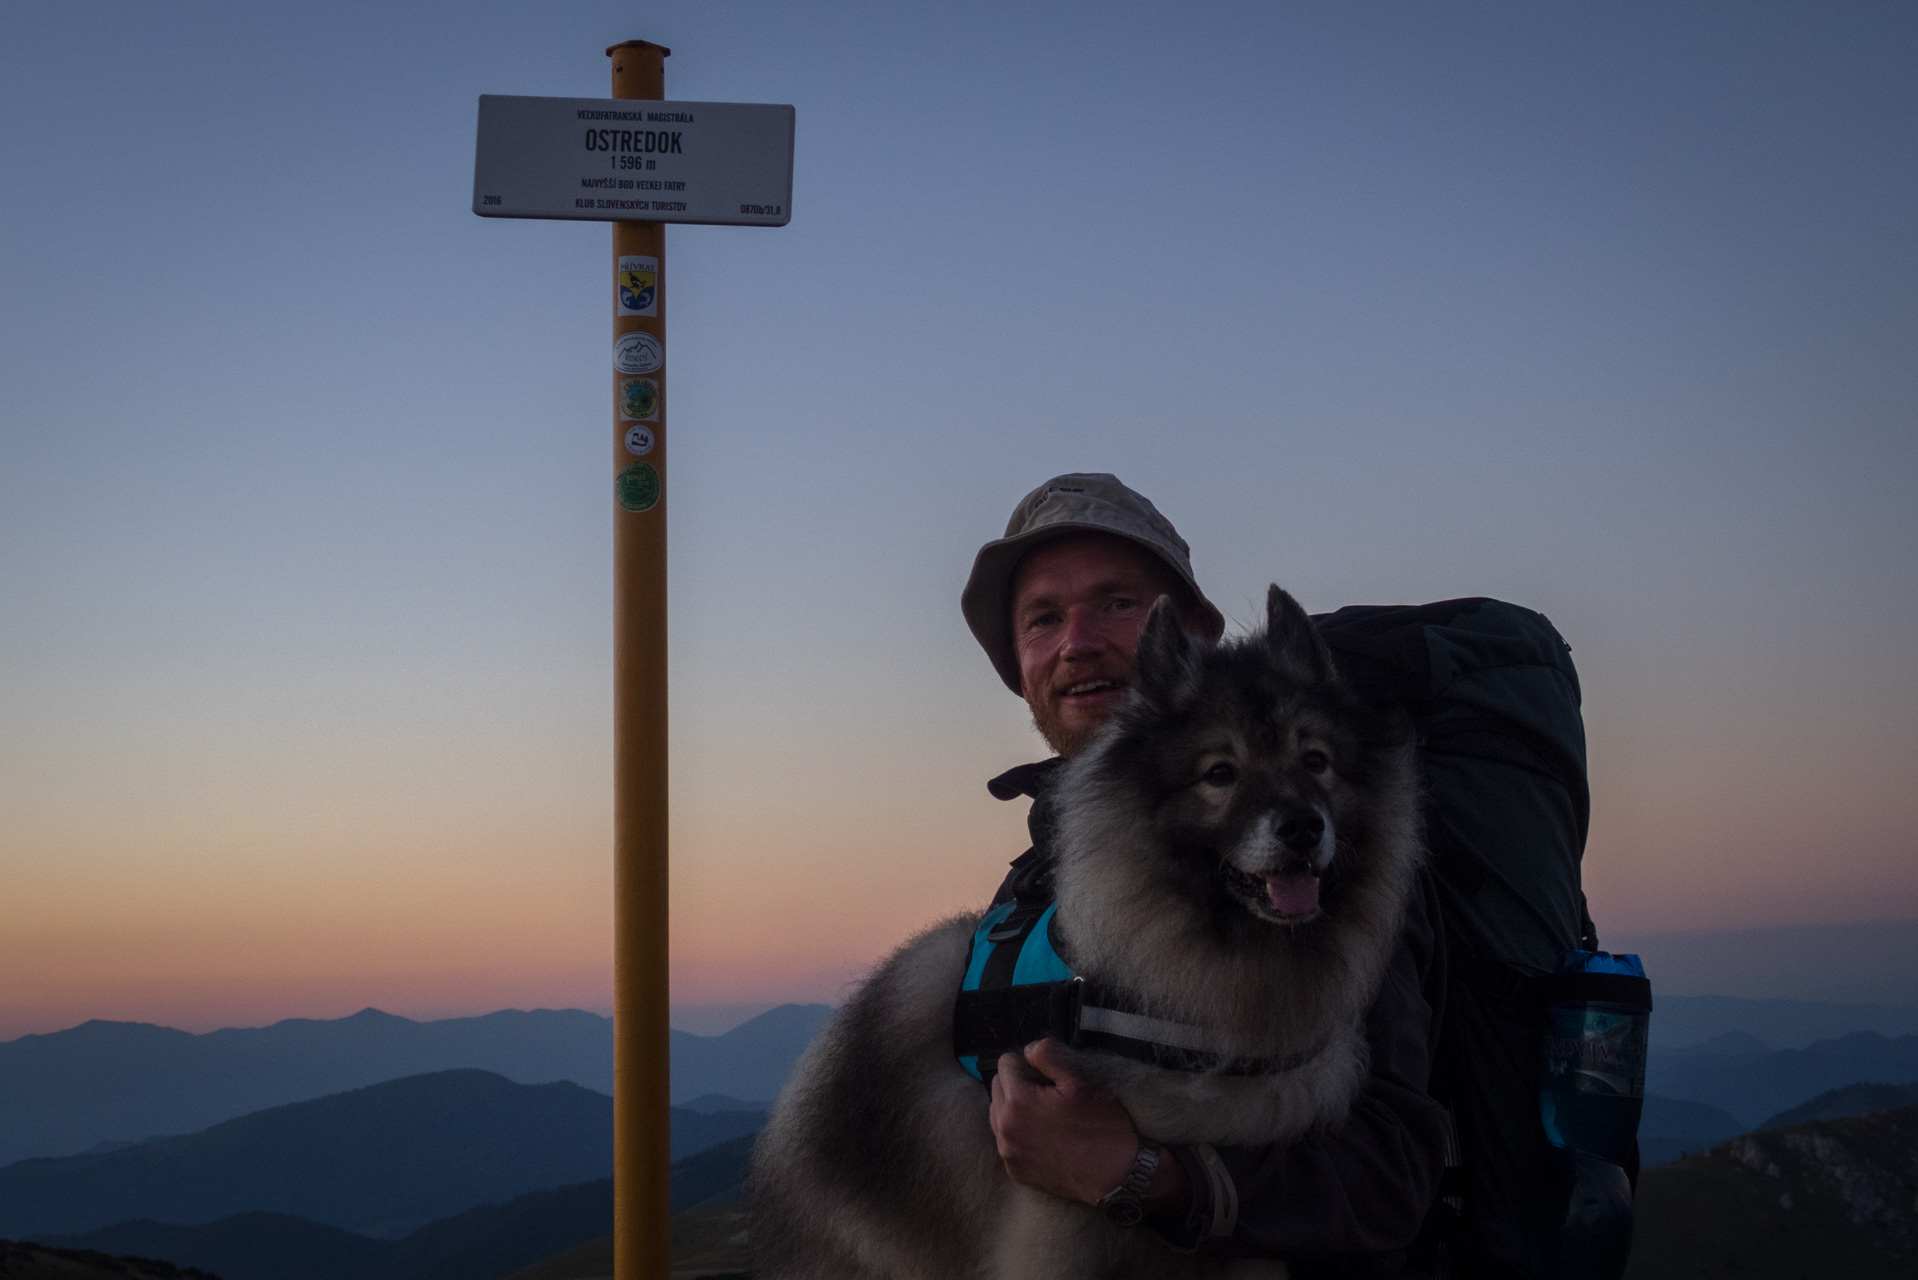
(637, 353)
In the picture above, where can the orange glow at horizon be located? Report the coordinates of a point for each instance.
(202, 883)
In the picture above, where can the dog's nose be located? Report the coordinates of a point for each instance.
(1301, 829)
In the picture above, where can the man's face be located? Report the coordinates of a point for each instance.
(1078, 607)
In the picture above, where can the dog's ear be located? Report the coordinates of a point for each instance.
(1165, 670)
(1296, 644)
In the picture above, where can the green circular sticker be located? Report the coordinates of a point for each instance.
(637, 487)
(639, 398)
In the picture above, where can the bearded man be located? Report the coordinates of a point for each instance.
(1059, 604)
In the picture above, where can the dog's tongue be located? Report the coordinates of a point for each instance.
(1293, 893)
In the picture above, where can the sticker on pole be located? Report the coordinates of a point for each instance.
(634, 160)
(637, 284)
(637, 353)
(639, 441)
(637, 488)
(639, 399)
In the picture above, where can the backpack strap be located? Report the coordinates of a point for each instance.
(1505, 984)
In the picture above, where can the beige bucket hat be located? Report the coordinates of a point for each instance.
(1081, 502)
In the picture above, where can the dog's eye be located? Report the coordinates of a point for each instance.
(1221, 775)
(1316, 761)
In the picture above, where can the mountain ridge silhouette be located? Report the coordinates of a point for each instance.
(64, 1092)
(482, 1243)
(1752, 1082)
(379, 1161)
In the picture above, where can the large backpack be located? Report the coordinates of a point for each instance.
(1493, 692)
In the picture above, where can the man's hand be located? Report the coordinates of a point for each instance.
(1061, 1134)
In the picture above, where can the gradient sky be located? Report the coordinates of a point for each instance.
(305, 518)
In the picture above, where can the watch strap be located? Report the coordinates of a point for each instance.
(1125, 1203)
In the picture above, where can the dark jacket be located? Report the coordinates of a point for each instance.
(1343, 1201)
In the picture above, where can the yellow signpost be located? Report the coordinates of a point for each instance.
(638, 167)
(642, 1072)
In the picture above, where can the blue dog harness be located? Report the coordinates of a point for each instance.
(1019, 988)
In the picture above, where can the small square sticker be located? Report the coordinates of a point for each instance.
(637, 286)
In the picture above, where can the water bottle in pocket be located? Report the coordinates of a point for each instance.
(1591, 1091)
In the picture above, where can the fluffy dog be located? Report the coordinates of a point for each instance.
(1235, 850)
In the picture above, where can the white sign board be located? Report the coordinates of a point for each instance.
(633, 160)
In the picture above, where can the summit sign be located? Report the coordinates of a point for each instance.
(634, 160)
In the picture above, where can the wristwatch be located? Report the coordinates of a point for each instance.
(1125, 1203)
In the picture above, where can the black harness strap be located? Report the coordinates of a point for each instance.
(996, 1020)
(1001, 1016)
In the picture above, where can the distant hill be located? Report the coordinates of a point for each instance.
(708, 1102)
(750, 1061)
(694, 1132)
(123, 1082)
(1830, 1198)
(378, 1161)
(1743, 1077)
(590, 1261)
(715, 1174)
(1672, 1127)
(126, 1081)
(1730, 1044)
(492, 1240)
(279, 1246)
(31, 1261)
(708, 1226)
(1852, 1100)
(483, 1243)
(1682, 1022)
(709, 1242)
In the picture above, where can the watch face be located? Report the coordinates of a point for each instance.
(1125, 1211)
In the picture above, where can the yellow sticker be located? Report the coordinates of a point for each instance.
(638, 286)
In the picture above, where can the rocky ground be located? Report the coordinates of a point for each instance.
(1830, 1198)
(27, 1261)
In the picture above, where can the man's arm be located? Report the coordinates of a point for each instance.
(1362, 1187)
(1060, 1133)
